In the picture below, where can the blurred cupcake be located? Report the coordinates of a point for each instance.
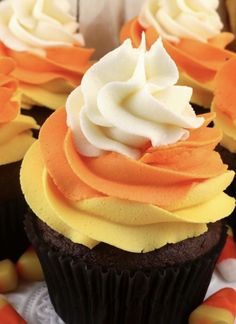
(15, 139)
(230, 6)
(43, 39)
(223, 105)
(192, 36)
(127, 195)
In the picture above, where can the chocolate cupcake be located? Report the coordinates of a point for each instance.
(15, 139)
(197, 48)
(127, 198)
(224, 106)
(47, 47)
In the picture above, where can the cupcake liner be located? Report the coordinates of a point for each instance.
(93, 294)
(13, 240)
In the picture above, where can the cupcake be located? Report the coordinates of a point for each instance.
(230, 6)
(43, 39)
(15, 139)
(224, 106)
(127, 198)
(192, 36)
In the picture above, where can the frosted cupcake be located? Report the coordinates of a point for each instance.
(230, 13)
(128, 195)
(43, 39)
(224, 106)
(192, 36)
(15, 139)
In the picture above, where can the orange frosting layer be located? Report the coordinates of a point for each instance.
(59, 63)
(224, 298)
(8, 108)
(199, 60)
(225, 98)
(162, 176)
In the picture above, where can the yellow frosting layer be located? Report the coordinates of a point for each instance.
(153, 227)
(202, 92)
(52, 95)
(16, 138)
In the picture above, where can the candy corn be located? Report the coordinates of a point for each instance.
(28, 266)
(8, 276)
(220, 308)
(8, 314)
(226, 263)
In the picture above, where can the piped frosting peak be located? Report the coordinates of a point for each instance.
(129, 99)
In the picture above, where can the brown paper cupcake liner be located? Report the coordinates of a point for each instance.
(13, 240)
(83, 294)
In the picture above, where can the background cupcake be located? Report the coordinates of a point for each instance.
(126, 202)
(43, 39)
(223, 105)
(192, 36)
(230, 14)
(15, 139)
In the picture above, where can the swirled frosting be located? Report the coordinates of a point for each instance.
(35, 25)
(42, 37)
(15, 134)
(126, 107)
(178, 19)
(198, 62)
(167, 194)
(224, 104)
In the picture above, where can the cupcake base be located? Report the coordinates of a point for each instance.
(13, 240)
(85, 292)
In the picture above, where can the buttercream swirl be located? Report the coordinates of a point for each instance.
(178, 19)
(169, 193)
(198, 62)
(15, 134)
(127, 106)
(37, 24)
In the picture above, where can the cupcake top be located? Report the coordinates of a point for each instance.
(230, 13)
(15, 129)
(224, 104)
(178, 19)
(141, 180)
(43, 39)
(192, 36)
(35, 25)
